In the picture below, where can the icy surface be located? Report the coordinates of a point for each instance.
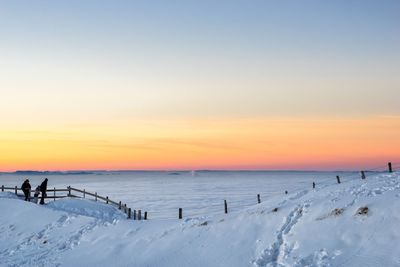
(307, 227)
(200, 193)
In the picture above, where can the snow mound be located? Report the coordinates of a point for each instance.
(8, 195)
(88, 208)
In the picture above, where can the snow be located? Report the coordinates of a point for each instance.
(88, 208)
(162, 193)
(307, 227)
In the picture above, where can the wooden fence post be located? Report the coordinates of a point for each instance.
(84, 193)
(362, 175)
(129, 213)
(95, 196)
(390, 167)
(258, 198)
(134, 214)
(226, 206)
(313, 185)
(338, 179)
(119, 205)
(69, 191)
(145, 215)
(286, 192)
(2, 188)
(139, 215)
(107, 200)
(125, 209)
(15, 189)
(54, 194)
(180, 216)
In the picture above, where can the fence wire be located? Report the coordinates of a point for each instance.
(235, 205)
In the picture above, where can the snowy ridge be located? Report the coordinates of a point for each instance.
(321, 227)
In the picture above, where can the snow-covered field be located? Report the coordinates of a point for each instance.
(306, 227)
(200, 193)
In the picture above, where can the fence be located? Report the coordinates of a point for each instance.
(52, 195)
(224, 205)
(137, 214)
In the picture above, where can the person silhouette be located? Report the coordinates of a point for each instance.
(26, 188)
(43, 189)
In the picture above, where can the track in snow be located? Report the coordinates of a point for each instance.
(41, 249)
(275, 255)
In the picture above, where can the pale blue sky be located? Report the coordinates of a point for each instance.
(199, 84)
(199, 58)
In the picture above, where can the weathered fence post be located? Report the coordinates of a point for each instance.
(129, 213)
(313, 185)
(15, 189)
(258, 198)
(362, 175)
(119, 205)
(390, 167)
(286, 192)
(95, 196)
(54, 194)
(139, 215)
(180, 213)
(226, 206)
(107, 200)
(338, 179)
(69, 191)
(134, 214)
(125, 208)
(145, 215)
(2, 188)
(84, 193)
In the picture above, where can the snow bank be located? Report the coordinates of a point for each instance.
(8, 195)
(88, 208)
(321, 227)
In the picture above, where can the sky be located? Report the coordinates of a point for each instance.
(169, 85)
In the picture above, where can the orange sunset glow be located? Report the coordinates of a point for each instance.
(104, 87)
(204, 144)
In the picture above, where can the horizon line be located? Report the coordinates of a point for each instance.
(188, 170)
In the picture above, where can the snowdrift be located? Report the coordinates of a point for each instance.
(350, 224)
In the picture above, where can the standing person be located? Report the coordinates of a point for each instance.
(26, 188)
(43, 189)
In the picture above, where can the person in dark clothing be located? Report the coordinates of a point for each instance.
(26, 188)
(43, 189)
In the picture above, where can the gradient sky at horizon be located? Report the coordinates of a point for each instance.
(199, 84)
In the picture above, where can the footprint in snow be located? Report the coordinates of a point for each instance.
(319, 258)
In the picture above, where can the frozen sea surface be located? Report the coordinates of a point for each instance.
(202, 193)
